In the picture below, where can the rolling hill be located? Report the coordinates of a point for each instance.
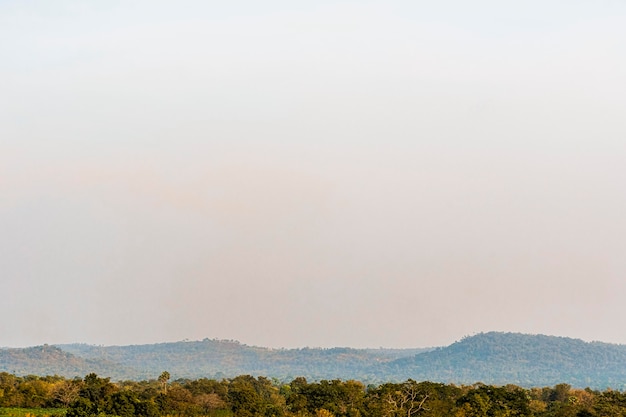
(493, 358)
(521, 359)
(51, 360)
(227, 358)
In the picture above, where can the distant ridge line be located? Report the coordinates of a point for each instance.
(493, 357)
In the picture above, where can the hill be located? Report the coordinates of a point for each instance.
(491, 358)
(521, 359)
(227, 358)
(200, 359)
(51, 360)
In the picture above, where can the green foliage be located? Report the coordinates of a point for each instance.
(494, 402)
(493, 358)
(525, 360)
(163, 379)
(31, 412)
(250, 396)
(199, 359)
(82, 407)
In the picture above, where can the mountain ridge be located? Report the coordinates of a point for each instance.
(492, 357)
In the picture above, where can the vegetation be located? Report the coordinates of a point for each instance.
(197, 359)
(525, 360)
(31, 412)
(248, 396)
(493, 358)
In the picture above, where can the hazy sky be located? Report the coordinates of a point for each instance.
(311, 173)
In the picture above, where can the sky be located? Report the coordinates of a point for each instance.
(294, 173)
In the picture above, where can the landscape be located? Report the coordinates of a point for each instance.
(330, 208)
(488, 374)
(492, 358)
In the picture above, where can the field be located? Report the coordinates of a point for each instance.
(32, 412)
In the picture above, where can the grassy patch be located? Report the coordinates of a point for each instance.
(32, 412)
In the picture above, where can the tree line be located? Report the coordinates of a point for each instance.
(249, 396)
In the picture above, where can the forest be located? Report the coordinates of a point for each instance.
(493, 358)
(249, 396)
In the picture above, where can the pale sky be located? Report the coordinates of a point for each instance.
(311, 173)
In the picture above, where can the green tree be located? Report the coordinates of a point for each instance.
(490, 401)
(123, 404)
(163, 378)
(244, 399)
(97, 390)
(82, 407)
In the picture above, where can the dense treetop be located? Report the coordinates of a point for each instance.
(249, 396)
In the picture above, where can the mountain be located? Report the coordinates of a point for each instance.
(218, 358)
(51, 360)
(491, 358)
(200, 359)
(520, 359)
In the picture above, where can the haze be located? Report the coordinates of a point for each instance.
(329, 173)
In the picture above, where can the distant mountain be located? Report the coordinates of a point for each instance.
(491, 358)
(51, 360)
(222, 358)
(520, 359)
